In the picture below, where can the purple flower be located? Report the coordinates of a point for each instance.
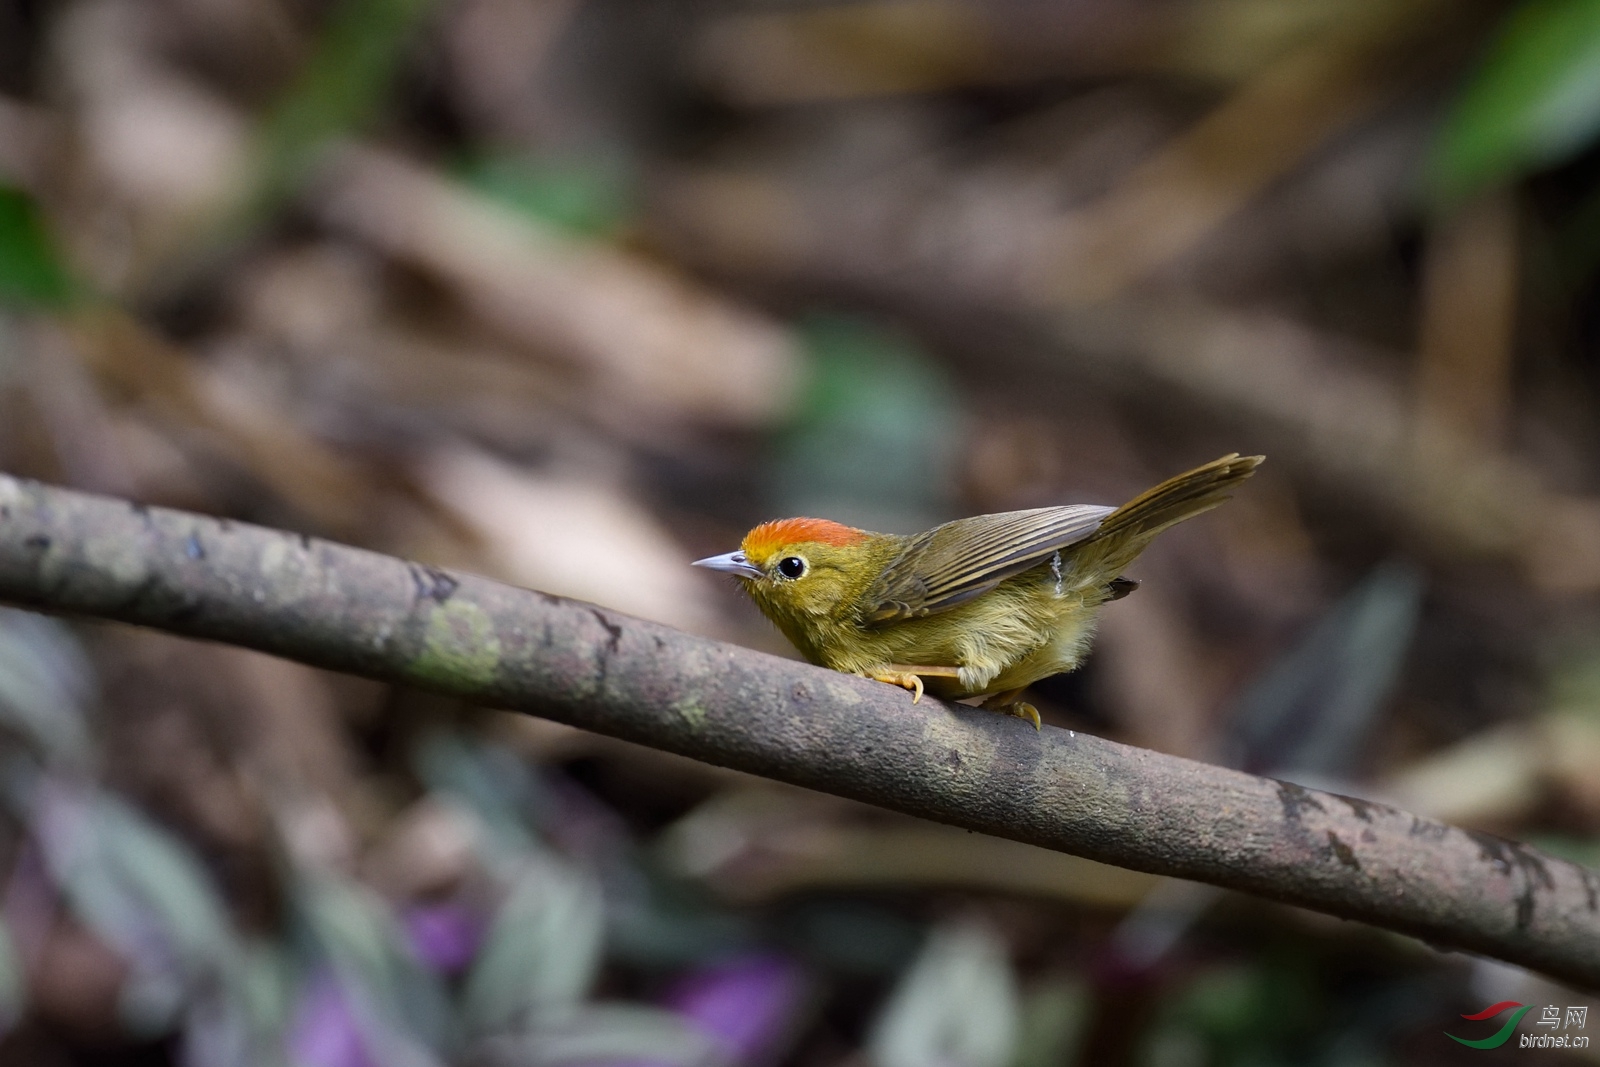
(748, 1003)
(325, 1032)
(444, 936)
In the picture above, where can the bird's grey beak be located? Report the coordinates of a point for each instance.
(731, 563)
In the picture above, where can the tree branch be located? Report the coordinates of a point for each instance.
(351, 610)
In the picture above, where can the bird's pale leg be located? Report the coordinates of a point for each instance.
(904, 679)
(1007, 704)
(907, 676)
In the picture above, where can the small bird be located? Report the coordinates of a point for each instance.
(978, 607)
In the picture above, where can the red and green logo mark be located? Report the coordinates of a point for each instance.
(1504, 1034)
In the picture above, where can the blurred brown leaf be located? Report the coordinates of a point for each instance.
(569, 536)
(758, 844)
(654, 343)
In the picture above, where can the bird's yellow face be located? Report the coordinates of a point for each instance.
(802, 572)
(808, 566)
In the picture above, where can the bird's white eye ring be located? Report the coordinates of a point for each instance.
(791, 567)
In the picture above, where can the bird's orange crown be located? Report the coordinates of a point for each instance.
(767, 538)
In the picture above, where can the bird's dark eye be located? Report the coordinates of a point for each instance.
(791, 566)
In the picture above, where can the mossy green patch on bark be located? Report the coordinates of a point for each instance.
(691, 711)
(460, 646)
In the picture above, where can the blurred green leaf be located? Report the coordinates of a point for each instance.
(499, 788)
(1247, 1013)
(265, 986)
(355, 931)
(648, 920)
(656, 922)
(606, 1033)
(31, 272)
(1230, 1002)
(218, 1033)
(1574, 682)
(877, 435)
(164, 872)
(46, 684)
(1313, 707)
(1054, 1017)
(854, 936)
(957, 1006)
(1533, 103)
(585, 197)
(1584, 851)
(542, 951)
(341, 86)
(140, 888)
(130, 879)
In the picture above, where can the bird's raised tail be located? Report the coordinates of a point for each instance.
(1181, 497)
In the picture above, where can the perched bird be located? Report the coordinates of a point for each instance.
(984, 606)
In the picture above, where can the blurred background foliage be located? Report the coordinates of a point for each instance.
(571, 292)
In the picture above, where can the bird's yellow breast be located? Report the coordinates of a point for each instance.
(1027, 628)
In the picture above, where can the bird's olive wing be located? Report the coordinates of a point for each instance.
(953, 563)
